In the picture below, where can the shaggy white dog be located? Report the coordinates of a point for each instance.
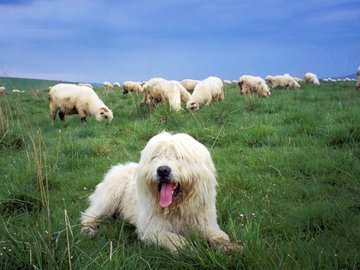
(170, 193)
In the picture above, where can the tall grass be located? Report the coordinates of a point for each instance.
(288, 171)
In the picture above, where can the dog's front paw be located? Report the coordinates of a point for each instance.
(89, 229)
(231, 247)
(228, 246)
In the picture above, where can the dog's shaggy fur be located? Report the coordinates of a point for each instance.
(169, 193)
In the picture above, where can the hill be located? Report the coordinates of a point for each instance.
(350, 76)
(26, 83)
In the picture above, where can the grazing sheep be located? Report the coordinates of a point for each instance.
(148, 85)
(108, 85)
(357, 87)
(205, 92)
(311, 78)
(132, 87)
(73, 99)
(158, 90)
(2, 90)
(282, 81)
(249, 84)
(116, 84)
(189, 84)
(16, 91)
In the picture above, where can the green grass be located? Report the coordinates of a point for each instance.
(288, 171)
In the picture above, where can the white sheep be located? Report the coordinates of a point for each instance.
(132, 87)
(158, 90)
(116, 84)
(357, 87)
(148, 85)
(249, 84)
(282, 81)
(73, 99)
(206, 91)
(16, 91)
(189, 84)
(2, 90)
(311, 78)
(107, 85)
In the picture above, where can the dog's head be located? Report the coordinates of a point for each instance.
(173, 169)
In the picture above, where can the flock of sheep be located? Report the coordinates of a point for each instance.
(67, 99)
(81, 99)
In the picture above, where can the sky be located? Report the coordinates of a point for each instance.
(115, 40)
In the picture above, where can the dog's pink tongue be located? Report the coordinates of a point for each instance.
(166, 194)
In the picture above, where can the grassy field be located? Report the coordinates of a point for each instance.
(288, 171)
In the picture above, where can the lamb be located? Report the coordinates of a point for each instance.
(206, 91)
(282, 81)
(2, 90)
(311, 78)
(158, 90)
(70, 99)
(189, 84)
(249, 84)
(132, 87)
(107, 85)
(357, 87)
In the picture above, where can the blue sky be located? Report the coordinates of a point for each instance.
(94, 41)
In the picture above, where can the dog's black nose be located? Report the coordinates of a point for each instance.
(163, 171)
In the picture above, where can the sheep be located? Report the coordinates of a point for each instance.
(205, 92)
(132, 87)
(282, 81)
(357, 87)
(189, 84)
(158, 90)
(116, 84)
(147, 87)
(2, 90)
(249, 84)
(16, 91)
(73, 99)
(107, 85)
(311, 78)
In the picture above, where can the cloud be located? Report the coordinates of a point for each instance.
(174, 38)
